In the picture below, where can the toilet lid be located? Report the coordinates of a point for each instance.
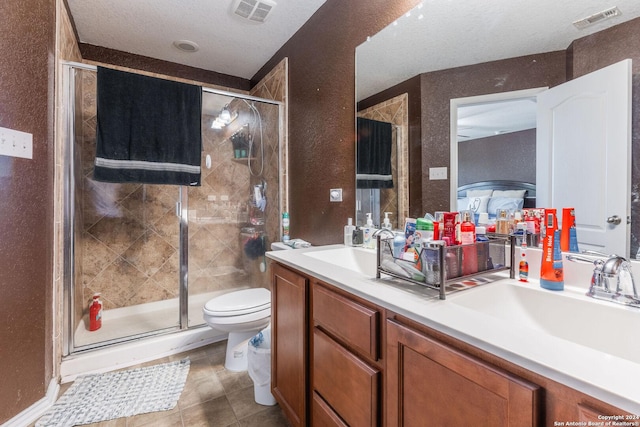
(239, 302)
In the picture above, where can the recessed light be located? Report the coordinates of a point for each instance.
(186, 46)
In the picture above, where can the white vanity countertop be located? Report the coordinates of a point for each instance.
(612, 379)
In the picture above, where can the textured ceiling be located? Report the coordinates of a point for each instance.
(442, 34)
(228, 44)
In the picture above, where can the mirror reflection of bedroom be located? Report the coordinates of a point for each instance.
(494, 151)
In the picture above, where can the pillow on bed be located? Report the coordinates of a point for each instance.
(479, 193)
(516, 194)
(478, 204)
(510, 203)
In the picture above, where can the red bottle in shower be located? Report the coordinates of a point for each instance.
(95, 313)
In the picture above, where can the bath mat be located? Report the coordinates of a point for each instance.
(101, 397)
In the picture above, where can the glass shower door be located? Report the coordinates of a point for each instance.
(125, 243)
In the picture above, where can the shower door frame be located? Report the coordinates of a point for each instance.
(182, 206)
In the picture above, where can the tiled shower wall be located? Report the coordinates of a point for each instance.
(128, 247)
(396, 199)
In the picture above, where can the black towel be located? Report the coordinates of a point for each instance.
(148, 130)
(374, 154)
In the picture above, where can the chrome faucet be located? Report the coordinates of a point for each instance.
(615, 268)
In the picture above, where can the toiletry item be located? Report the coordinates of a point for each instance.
(409, 231)
(430, 260)
(285, 226)
(448, 230)
(348, 232)
(394, 268)
(482, 245)
(568, 237)
(469, 263)
(398, 245)
(386, 224)
(95, 313)
(369, 241)
(414, 273)
(523, 266)
(424, 229)
(502, 221)
(551, 272)
(467, 230)
(451, 262)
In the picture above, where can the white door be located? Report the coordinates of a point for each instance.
(584, 155)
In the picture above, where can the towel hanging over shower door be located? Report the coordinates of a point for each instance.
(374, 154)
(148, 130)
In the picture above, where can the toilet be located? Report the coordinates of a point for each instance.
(242, 314)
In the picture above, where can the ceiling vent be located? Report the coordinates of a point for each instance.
(597, 17)
(256, 11)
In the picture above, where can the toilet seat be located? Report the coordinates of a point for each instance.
(238, 303)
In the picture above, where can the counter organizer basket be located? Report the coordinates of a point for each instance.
(458, 267)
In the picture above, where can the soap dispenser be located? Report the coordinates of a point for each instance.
(368, 240)
(386, 223)
(348, 232)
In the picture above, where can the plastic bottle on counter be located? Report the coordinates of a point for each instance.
(285, 227)
(467, 240)
(368, 240)
(348, 232)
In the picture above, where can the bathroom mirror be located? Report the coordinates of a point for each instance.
(443, 36)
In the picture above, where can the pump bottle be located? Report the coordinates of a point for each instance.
(368, 240)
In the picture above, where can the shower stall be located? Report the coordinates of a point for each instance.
(157, 253)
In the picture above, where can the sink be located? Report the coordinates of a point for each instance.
(569, 315)
(356, 259)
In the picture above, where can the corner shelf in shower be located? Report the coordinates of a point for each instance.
(243, 160)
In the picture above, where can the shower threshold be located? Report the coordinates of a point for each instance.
(129, 323)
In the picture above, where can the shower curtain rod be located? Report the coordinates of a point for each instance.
(90, 67)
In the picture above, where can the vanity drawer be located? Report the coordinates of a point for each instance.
(346, 383)
(353, 323)
(322, 415)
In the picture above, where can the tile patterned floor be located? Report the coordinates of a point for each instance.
(212, 397)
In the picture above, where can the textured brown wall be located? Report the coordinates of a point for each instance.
(322, 111)
(26, 204)
(439, 87)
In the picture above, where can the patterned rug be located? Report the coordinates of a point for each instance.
(101, 397)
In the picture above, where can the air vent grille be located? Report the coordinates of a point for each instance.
(597, 17)
(256, 11)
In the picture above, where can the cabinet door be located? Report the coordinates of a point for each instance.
(430, 383)
(289, 323)
(345, 382)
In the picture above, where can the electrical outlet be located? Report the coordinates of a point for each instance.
(335, 195)
(437, 173)
(15, 143)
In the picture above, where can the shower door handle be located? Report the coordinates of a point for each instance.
(179, 209)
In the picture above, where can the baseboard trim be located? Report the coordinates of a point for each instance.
(35, 411)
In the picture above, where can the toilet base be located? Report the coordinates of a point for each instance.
(237, 347)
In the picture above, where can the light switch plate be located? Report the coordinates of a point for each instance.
(437, 173)
(15, 143)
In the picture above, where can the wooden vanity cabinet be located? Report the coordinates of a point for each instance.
(339, 360)
(289, 354)
(429, 380)
(346, 369)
